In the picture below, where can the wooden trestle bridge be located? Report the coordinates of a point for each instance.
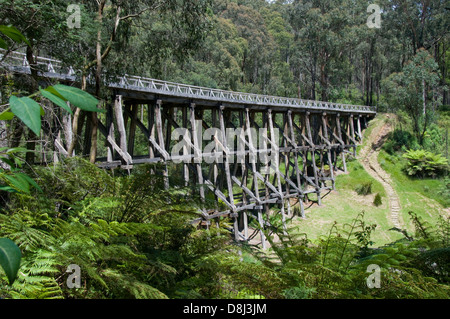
(253, 153)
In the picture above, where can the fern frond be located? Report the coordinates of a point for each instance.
(123, 284)
(23, 233)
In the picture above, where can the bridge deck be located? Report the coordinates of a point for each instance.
(51, 68)
(307, 140)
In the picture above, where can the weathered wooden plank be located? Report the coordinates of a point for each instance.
(161, 144)
(227, 168)
(132, 130)
(339, 134)
(325, 137)
(197, 152)
(313, 157)
(122, 147)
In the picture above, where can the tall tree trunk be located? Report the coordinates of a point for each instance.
(67, 127)
(323, 82)
(313, 78)
(76, 117)
(424, 96)
(3, 141)
(31, 137)
(98, 72)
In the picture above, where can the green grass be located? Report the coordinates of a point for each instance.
(356, 176)
(418, 195)
(344, 204)
(319, 219)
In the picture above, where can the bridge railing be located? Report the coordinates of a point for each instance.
(46, 65)
(172, 88)
(53, 68)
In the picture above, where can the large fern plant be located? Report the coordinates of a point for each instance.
(120, 231)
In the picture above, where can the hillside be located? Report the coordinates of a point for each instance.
(344, 204)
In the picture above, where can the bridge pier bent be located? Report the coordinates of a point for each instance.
(256, 158)
(255, 161)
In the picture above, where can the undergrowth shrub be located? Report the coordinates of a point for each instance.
(377, 200)
(421, 163)
(130, 236)
(336, 266)
(400, 140)
(364, 188)
(444, 190)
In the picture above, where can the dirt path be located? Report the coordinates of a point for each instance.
(369, 159)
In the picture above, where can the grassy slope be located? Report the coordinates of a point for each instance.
(418, 195)
(343, 205)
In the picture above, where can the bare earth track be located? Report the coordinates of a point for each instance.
(369, 160)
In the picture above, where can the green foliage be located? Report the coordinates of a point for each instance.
(132, 239)
(13, 179)
(130, 236)
(30, 112)
(75, 96)
(400, 140)
(436, 263)
(336, 266)
(444, 189)
(411, 90)
(434, 260)
(10, 256)
(364, 188)
(421, 163)
(11, 33)
(377, 200)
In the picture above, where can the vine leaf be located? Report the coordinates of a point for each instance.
(28, 110)
(6, 116)
(10, 256)
(14, 34)
(55, 99)
(79, 98)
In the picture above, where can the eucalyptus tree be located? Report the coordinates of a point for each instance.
(105, 29)
(320, 29)
(422, 24)
(256, 63)
(412, 90)
(116, 23)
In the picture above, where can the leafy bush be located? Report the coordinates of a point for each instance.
(421, 163)
(434, 139)
(377, 200)
(130, 237)
(444, 190)
(400, 140)
(364, 189)
(336, 266)
(434, 260)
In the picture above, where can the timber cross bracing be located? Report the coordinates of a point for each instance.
(249, 152)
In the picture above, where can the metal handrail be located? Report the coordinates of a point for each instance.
(139, 83)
